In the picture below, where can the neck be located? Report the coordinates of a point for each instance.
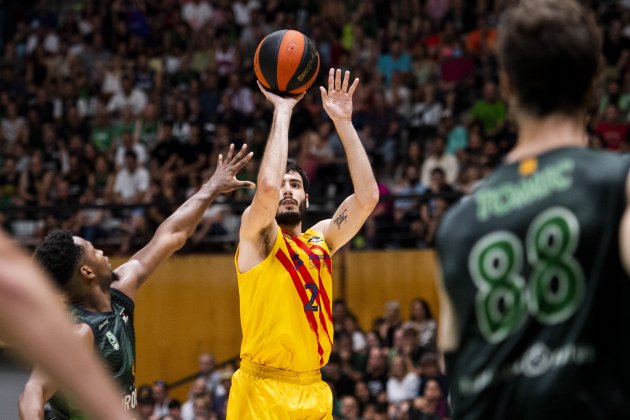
(94, 300)
(538, 135)
(294, 230)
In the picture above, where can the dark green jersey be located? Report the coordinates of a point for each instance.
(114, 339)
(531, 263)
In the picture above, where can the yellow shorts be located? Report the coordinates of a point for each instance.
(261, 392)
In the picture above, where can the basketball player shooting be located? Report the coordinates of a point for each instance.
(102, 299)
(284, 274)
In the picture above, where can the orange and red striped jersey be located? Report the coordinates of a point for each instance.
(286, 304)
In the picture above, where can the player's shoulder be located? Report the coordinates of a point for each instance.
(84, 332)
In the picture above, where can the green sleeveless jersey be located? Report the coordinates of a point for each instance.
(531, 262)
(114, 339)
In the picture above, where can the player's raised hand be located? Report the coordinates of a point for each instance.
(337, 100)
(224, 177)
(280, 101)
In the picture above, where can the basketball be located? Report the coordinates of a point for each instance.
(286, 62)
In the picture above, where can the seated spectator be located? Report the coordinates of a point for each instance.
(421, 319)
(161, 398)
(128, 96)
(439, 159)
(490, 110)
(350, 408)
(431, 405)
(375, 375)
(13, 127)
(91, 222)
(612, 128)
(395, 59)
(127, 144)
(208, 372)
(131, 185)
(147, 127)
(403, 382)
(197, 389)
(9, 183)
(102, 135)
(333, 372)
(430, 369)
(351, 327)
(197, 13)
(35, 182)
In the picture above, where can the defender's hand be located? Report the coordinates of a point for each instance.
(337, 100)
(224, 177)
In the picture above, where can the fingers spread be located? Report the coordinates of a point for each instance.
(331, 82)
(241, 152)
(230, 153)
(242, 162)
(353, 87)
(344, 86)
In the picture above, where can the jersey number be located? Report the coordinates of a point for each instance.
(314, 291)
(556, 284)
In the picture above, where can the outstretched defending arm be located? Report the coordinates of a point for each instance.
(258, 223)
(355, 209)
(172, 234)
(32, 319)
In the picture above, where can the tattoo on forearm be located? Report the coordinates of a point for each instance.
(339, 220)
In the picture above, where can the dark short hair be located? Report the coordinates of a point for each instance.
(550, 51)
(294, 167)
(59, 256)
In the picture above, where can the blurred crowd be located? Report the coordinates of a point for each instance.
(113, 113)
(392, 371)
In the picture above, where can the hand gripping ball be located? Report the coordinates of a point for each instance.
(286, 62)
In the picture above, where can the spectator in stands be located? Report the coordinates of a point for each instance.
(131, 185)
(613, 129)
(490, 110)
(376, 373)
(350, 408)
(395, 59)
(197, 389)
(160, 397)
(421, 319)
(127, 97)
(431, 404)
(403, 383)
(208, 372)
(439, 159)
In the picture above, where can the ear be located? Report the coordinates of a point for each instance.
(87, 272)
(306, 200)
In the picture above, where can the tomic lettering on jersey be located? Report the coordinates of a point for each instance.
(509, 196)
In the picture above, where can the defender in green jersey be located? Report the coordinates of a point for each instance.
(535, 262)
(101, 299)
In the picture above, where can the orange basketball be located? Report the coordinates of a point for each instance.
(286, 62)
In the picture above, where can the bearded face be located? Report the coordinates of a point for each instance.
(290, 212)
(293, 201)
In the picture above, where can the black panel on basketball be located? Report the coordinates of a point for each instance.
(270, 47)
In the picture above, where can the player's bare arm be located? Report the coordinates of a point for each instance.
(624, 232)
(33, 320)
(172, 234)
(40, 386)
(448, 330)
(354, 210)
(258, 223)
